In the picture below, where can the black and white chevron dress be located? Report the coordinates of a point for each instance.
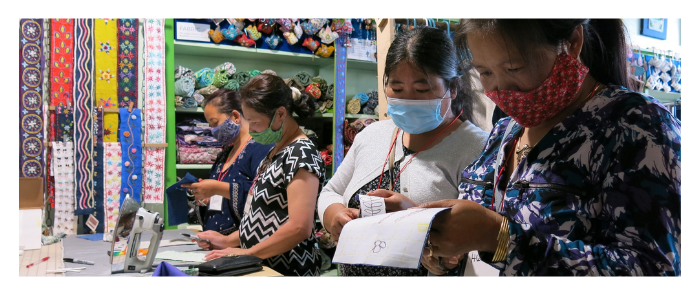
(268, 208)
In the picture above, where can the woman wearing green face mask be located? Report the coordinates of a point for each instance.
(278, 221)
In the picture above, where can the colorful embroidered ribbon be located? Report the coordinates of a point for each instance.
(48, 117)
(62, 39)
(128, 74)
(111, 127)
(154, 109)
(106, 62)
(82, 114)
(98, 174)
(340, 64)
(130, 138)
(112, 183)
(64, 127)
(31, 103)
(64, 220)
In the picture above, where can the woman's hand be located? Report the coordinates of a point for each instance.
(466, 227)
(433, 264)
(339, 220)
(206, 188)
(228, 251)
(216, 240)
(394, 201)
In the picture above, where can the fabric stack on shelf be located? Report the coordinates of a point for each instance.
(195, 144)
(350, 131)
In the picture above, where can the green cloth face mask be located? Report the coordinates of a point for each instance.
(268, 136)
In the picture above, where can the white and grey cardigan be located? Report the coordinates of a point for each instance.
(434, 174)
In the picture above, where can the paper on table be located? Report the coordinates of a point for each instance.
(197, 256)
(395, 239)
(166, 243)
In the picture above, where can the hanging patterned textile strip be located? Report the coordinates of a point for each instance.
(64, 127)
(64, 218)
(340, 58)
(154, 109)
(31, 103)
(110, 122)
(112, 170)
(49, 197)
(83, 117)
(98, 174)
(62, 38)
(127, 76)
(106, 62)
(130, 139)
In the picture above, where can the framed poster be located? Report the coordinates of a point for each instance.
(655, 27)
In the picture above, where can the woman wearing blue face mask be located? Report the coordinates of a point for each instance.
(415, 153)
(221, 198)
(278, 222)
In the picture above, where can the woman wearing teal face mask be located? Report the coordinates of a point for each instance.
(278, 222)
(428, 136)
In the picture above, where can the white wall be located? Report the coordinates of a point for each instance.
(673, 35)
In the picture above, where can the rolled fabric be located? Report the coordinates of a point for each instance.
(367, 110)
(269, 72)
(302, 78)
(241, 77)
(220, 78)
(204, 77)
(229, 67)
(349, 133)
(199, 98)
(322, 84)
(184, 86)
(357, 124)
(330, 93)
(183, 72)
(353, 106)
(373, 95)
(232, 84)
(253, 73)
(314, 90)
(329, 106)
(363, 98)
(179, 101)
(321, 107)
(206, 91)
(190, 103)
(367, 121)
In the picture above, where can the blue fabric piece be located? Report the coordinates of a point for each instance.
(130, 124)
(165, 269)
(92, 237)
(98, 180)
(177, 200)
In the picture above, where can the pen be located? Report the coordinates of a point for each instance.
(40, 261)
(78, 261)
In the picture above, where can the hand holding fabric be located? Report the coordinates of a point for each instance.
(207, 188)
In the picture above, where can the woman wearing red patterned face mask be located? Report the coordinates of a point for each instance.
(583, 177)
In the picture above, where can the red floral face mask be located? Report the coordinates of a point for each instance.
(544, 102)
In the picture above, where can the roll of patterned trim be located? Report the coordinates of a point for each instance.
(242, 78)
(179, 101)
(232, 84)
(204, 77)
(302, 78)
(353, 106)
(363, 98)
(254, 73)
(329, 106)
(206, 91)
(368, 110)
(229, 67)
(183, 72)
(184, 86)
(190, 103)
(220, 79)
(199, 98)
(330, 93)
(322, 84)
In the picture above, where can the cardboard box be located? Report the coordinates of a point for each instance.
(31, 192)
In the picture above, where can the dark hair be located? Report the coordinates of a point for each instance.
(604, 42)
(265, 93)
(225, 101)
(431, 50)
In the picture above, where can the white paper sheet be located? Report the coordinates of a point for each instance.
(394, 239)
(371, 206)
(30, 229)
(197, 256)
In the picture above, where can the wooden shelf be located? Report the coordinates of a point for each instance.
(362, 64)
(250, 53)
(190, 110)
(193, 166)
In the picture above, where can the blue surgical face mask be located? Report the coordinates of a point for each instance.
(226, 132)
(416, 116)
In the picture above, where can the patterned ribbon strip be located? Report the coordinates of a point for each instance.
(49, 198)
(154, 109)
(106, 62)
(130, 138)
(62, 38)
(64, 220)
(84, 101)
(98, 174)
(112, 170)
(128, 74)
(31, 103)
(111, 127)
(340, 64)
(64, 127)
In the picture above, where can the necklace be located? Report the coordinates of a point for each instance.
(525, 150)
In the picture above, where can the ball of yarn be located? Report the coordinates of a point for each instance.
(353, 106)
(181, 71)
(232, 84)
(198, 97)
(254, 73)
(373, 95)
(229, 67)
(184, 86)
(204, 77)
(363, 98)
(314, 90)
(302, 78)
(269, 72)
(206, 91)
(190, 103)
(322, 84)
(241, 77)
(220, 79)
(367, 110)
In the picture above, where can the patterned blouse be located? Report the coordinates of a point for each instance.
(600, 194)
(269, 208)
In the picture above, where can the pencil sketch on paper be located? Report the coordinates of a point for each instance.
(378, 246)
(372, 206)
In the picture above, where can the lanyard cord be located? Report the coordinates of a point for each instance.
(409, 160)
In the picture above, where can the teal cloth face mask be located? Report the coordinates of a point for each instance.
(416, 116)
(268, 136)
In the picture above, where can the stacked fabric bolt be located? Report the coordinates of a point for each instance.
(195, 144)
(370, 106)
(327, 155)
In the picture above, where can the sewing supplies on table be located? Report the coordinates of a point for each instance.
(72, 260)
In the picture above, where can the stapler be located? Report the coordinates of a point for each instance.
(132, 223)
